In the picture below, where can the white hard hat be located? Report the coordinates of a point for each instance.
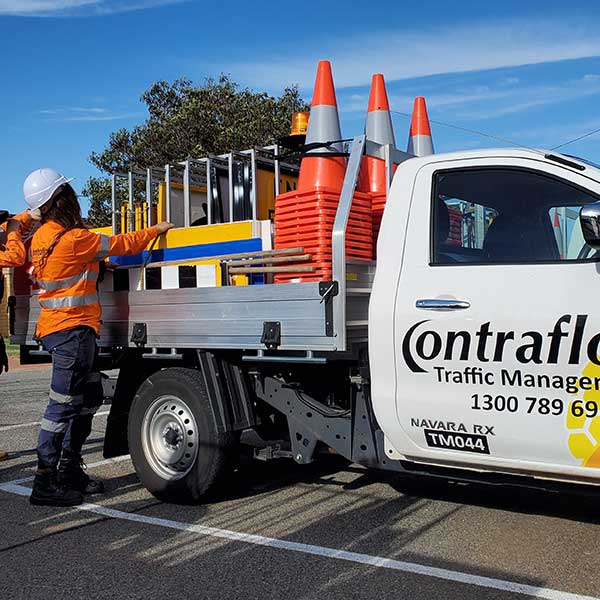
(40, 185)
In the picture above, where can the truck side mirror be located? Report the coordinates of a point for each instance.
(589, 217)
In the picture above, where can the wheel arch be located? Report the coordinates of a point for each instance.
(230, 392)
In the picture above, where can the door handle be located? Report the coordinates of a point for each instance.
(442, 304)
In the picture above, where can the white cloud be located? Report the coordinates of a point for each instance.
(109, 117)
(94, 110)
(405, 55)
(68, 8)
(529, 97)
(66, 114)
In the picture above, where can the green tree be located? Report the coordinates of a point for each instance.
(98, 190)
(190, 121)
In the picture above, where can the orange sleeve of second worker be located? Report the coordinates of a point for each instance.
(89, 246)
(23, 218)
(14, 254)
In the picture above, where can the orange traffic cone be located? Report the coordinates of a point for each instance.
(419, 140)
(378, 129)
(322, 172)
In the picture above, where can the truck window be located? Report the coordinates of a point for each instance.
(504, 216)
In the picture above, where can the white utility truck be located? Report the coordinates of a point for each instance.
(467, 356)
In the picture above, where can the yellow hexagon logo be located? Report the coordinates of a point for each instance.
(584, 441)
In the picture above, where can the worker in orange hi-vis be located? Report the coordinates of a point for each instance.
(12, 254)
(65, 258)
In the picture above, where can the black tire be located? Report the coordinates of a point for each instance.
(214, 455)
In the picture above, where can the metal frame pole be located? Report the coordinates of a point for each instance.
(187, 203)
(389, 167)
(114, 203)
(131, 203)
(253, 191)
(209, 201)
(277, 171)
(230, 177)
(149, 195)
(168, 192)
(338, 239)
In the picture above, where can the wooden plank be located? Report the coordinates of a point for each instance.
(272, 260)
(258, 253)
(227, 257)
(290, 269)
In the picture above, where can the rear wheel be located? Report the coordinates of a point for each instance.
(175, 447)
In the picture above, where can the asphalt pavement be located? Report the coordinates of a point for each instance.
(280, 530)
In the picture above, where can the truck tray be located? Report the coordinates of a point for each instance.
(223, 317)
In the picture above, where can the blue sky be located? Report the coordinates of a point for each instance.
(72, 71)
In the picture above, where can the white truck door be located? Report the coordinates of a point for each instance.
(497, 332)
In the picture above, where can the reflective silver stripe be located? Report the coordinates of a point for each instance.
(53, 427)
(65, 398)
(69, 301)
(53, 286)
(90, 410)
(104, 247)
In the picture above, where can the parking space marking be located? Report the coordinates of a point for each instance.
(14, 487)
(35, 423)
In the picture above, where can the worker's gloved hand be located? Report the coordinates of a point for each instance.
(164, 227)
(3, 356)
(13, 225)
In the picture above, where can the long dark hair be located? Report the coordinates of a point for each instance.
(64, 209)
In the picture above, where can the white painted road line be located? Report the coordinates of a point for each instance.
(365, 559)
(36, 423)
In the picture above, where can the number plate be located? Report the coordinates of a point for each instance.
(449, 440)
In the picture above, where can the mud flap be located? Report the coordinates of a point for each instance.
(132, 374)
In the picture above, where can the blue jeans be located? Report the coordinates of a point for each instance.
(75, 395)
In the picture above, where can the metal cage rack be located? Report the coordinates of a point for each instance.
(230, 181)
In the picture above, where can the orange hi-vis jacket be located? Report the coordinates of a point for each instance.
(68, 278)
(13, 254)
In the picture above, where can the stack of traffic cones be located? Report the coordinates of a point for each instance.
(305, 217)
(378, 129)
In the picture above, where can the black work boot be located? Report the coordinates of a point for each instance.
(47, 492)
(71, 474)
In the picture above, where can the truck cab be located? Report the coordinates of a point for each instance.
(483, 337)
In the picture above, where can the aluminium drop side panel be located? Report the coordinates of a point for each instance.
(114, 317)
(222, 317)
(115, 329)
